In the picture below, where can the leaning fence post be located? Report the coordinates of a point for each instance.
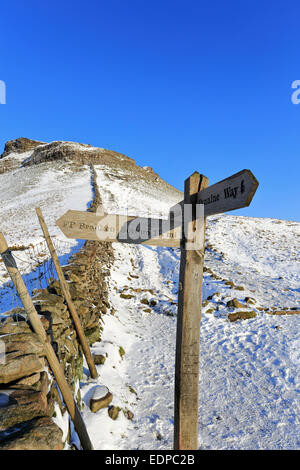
(37, 326)
(188, 322)
(68, 298)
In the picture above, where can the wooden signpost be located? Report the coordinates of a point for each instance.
(184, 228)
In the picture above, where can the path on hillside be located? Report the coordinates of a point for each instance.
(249, 370)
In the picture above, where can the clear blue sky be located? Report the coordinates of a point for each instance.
(178, 85)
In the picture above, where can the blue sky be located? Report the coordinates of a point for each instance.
(176, 85)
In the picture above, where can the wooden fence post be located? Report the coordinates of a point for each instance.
(68, 298)
(188, 327)
(37, 326)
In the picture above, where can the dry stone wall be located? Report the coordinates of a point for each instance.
(27, 389)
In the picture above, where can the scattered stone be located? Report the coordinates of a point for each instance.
(209, 310)
(153, 303)
(101, 398)
(129, 415)
(232, 317)
(121, 352)
(250, 300)
(113, 412)
(145, 301)
(99, 359)
(126, 296)
(234, 303)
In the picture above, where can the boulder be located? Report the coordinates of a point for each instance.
(113, 412)
(232, 317)
(101, 398)
(99, 359)
(234, 303)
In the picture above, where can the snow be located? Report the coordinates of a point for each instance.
(249, 370)
(100, 391)
(53, 187)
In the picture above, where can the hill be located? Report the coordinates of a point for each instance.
(249, 368)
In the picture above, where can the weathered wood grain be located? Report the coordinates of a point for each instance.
(188, 329)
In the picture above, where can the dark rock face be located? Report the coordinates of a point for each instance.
(20, 145)
(79, 153)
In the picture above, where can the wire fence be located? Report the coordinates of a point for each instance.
(36, 267)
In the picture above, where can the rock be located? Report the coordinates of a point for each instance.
(23, 343)
(232, 317)
(101, 398)
(36, 434)
(113, 412)
(250, 300)
(99, 359)
(10, 325)
(234, 303)
(17, 367)
(145, 301)
(23, 405)
(129, 415)
(92, 335)
(126, 296)
(153, 303)
(28, 381)
(19, 145)
(209, 310)
(121, 352)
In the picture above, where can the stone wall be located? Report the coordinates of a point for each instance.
(27, 389)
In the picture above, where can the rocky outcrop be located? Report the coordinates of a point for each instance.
(79, 153)
(20, 145)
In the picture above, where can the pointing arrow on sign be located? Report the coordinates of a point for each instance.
(231, 193)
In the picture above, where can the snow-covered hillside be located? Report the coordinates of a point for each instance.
(249, 369)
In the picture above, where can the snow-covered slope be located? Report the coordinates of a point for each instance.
(249, 369)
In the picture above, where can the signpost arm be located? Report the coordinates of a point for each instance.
(188, 329)
(68, 298)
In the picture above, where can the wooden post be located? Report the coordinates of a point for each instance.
(68, 298)
(188, 328)
(37, 326)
